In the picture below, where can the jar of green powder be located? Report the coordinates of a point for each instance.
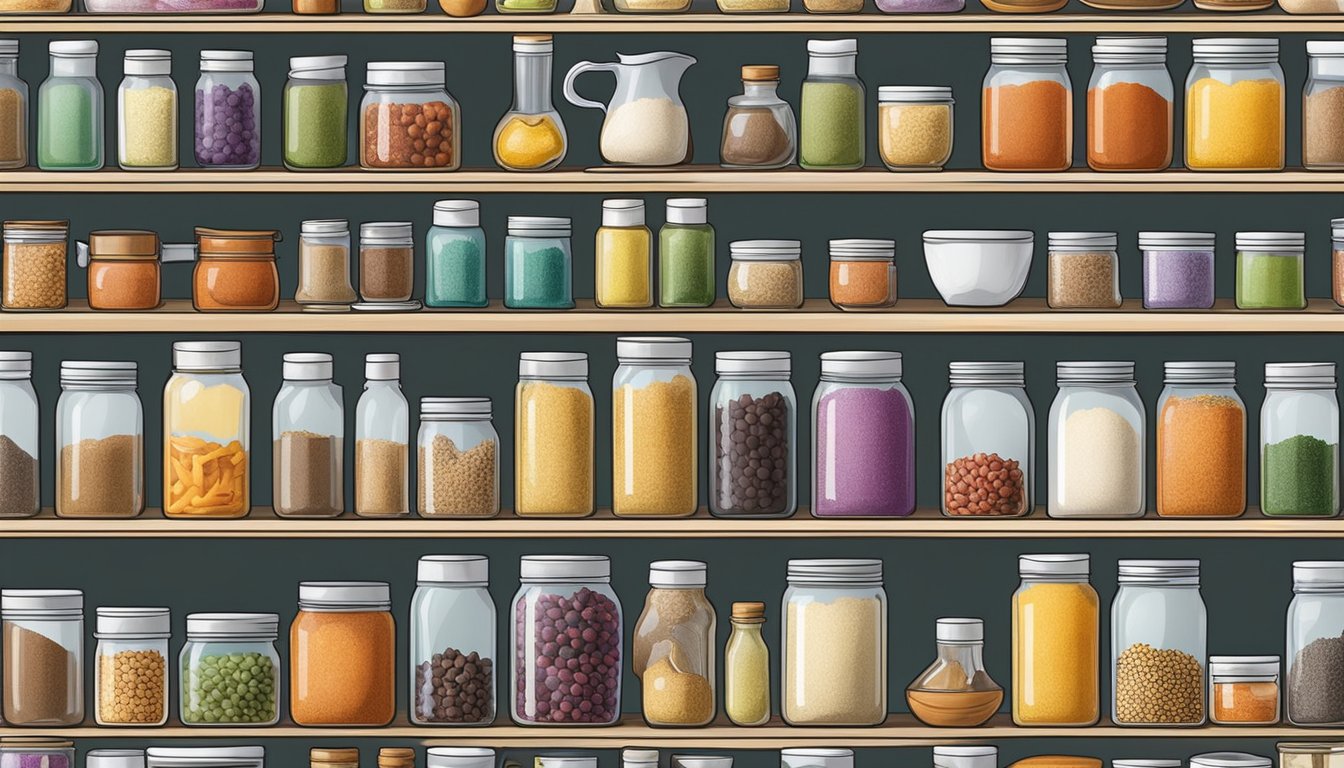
(1299, 441)
(686, 255)
(1269, 270)
(316, 103)
(455, 256)
(70, 109)
(831, 124)
(538, 267)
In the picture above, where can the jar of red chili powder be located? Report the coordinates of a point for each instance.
(408, 120)
(1027, 115)
(124, 267)
(1129, 105)
(236, 271)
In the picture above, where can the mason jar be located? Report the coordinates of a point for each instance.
(315, 105)
(147, 112)
(538, 263)
(342, 655)
(35, 264)
(1201, 442)
(130, 674)
(199, 757)
(455, 256)
(765, 274)
(43, 649)
(674, 647)
(989, 441)
(207, 420)
(1158, 644)
(20, 475)
(654, 403)
(832, 107)
(1027, 122)
(324, 263)
(863, 273)
(1270, 270)
(308, 428)
(408, 120)
(100, 434)
(1056, 642)
(1299, 441)
(14, 90)
(1178, 269)
(453, 637)
(753, 426)
(228, 112)
(1130, 104)
(1097, 441)
(553, 436)
(230, 670)
(1322, 124)
(1314, 638)
(1083, 271)
(1234, 106)
(70, 109)
(458, 458)
(1244, 690)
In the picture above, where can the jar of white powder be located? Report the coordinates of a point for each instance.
(1096, 442)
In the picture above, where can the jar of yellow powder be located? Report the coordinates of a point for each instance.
(1234, 106)
(1056, 636)
(624, 255)
(553, 436)
(653, 425)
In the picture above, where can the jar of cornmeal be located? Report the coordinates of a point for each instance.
(230, 657)
(673, 648)
(766, 274)
(914, 126)
(553, 436)
(654, 434)
(1056, 642)
(342, 655)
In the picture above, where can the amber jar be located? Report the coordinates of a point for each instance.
(123, 269)
(316, 7)
(342, 655)
(235, 271)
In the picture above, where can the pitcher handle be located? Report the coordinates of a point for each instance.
(578, 69)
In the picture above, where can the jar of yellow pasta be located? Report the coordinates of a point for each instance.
(1234, 106)
(1056, 636)
(206, 424)
(653, 425)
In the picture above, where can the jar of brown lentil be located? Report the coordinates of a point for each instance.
(458, 458)
(34, 264)
(236, 271)
(409, 120)
(1083, 271)
(130, 675)
(386, 261)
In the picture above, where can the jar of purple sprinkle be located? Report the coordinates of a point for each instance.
(228, 112)
(1177, 269)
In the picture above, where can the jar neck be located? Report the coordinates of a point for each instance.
(747, 626)
(840, 378)
(307, 383)
(392, 384)
(62, 66)
(764, 378)
(9, 66)
(762, 90)
(970, 656)
(532, 83)
(831, 66)
(1327, 66)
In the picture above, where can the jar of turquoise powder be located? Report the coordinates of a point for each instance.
(316, 102)
(70, 109)
(1269, 270)
(831, 125)
(455, 256)
(538, 263)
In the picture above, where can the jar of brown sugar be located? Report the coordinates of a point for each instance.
(44, 656)
(236, 271)
(343, 650)
(34, 264)
(124, 267)
(766, 274)
(324, 263)
(409, 120)
(1083, 271)
(386, 261)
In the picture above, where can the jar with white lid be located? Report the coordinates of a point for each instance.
(20, 478)
(989, 441)
(955, 689)
(639, 758)
(387, 264)
(114, 758)
(1244, 690)
(220, 645)
(455, 256)
(1229, 760)
(863, 273)
(147, 112)
(674, 646)
(130, 674)
(1310, 754)
(1201, 441)
(342, 655)
(553, 438)
(35, 264)
(70, 109)
(832, 106)
(1159, 642)
(315, 104)
(753, 425)
(207, 419)
(14, 115)
(1056, 642)
(1270, 270)
(1299, 441)
(452, 636)
(458, 458)
(766, 274)
(1322, 145)
(623, 257)
(561, 584)
(914, 125)
(228, 112)
(1315, 626)
(1234, 102)
(565, 761)
(43, 648)
(205, 757)
(459, 757)
(382, 441)
(324, 264)
(1027, 122)
(538, 265)
(686, 275)
(966, 757)
(100, 435)
(1083, 271)
(1130, 99)
(1097, 437)
(816, 757)
(408, 120)
(1146, 763)
(308, 429)
(1178, 269)
(654, 428)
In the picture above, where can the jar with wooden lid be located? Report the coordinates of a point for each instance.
(34, 264)
(236, 271)
(343, 757)
(759, 130)
(124, 267)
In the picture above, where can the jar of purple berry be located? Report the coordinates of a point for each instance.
(566, 642)
(228, 112)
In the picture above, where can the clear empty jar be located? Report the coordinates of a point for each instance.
(308, 429)
(230, 670)
(1158, 644)
(989, 436)
(1097, 441)
(766, 274)
(1244, 690)
(1084, 271)
(553, 436)
(914, 126)
(1027, 112)
(1201, 442)
(324, 263)
(753, 420)
(1177, 269)
(654, 433)
(130, 679)
(147, 112)
(1234, 110)
(1299, 441)
(453, 649)
(863, 274)
(1315, 637)
(1269, 270)
(458, 458)
(100, 431)
(20, 478)
(43, 649)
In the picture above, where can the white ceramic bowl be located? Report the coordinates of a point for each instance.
(978, 267)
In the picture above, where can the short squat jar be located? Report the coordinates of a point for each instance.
(100, 435)
(1177, 269)
(342, 655)
(766, 274)
(914, 126)
(386, 262)
(1299, 441)
(1244, 690)
(130, 676)
(458, 462)
(20, 477)
(538, 263)
(1097, 438)
(1027, 112)
(1234, 106)
(1315, 626)
(1083, 271)
(753, 423)
(43, 649)
(989, 441)
(453, 649)
(759, 129)
(1270, 270)
(863, 273)
(1159, 639)
(1201, 441)
(35, 264)
(230, 670)
(408, 120)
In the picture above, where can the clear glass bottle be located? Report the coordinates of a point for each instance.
(1084, 271)
(13, 108)
(1130, 101)
(765, 274)
(623, 257)
(1201, 442)
(538, 263)
(1270, 270)
(1244, 690)
(347, 626)
(1097, 438)
(1158, 644)
(989, 441)
(1178, 269)
(43, 649)
(207, 420)
(20, 469)
(759, 129)
(1322, 125)
(673, 649)
(217, 645)
(228, 112)
(1234, 105)
(382, 441)
(1027, 114)
(452, 620)
(308, 428)
(316, 103)
(455, 256)
(531, 136)
(324, 264)
(830, 133)
(147, 112)
(1056, 642)
(130, 674)
(686, 276)
(70, 109)
(654, 431)
(956, 690)
(746, 668)
(400, 96)
(914, 125)
(100, 433)
(553, 436)
(1299, 441)
(753, 420)
(458, 458)
(1315, 632)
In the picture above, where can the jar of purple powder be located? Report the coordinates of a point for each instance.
(40, 752)
(920, 6)
(228, 112)
(566, 642)
(863, 446)
(1177, 269)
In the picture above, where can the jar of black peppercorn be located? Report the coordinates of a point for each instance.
(752, 417)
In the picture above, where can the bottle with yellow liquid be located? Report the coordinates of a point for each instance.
(531, 136)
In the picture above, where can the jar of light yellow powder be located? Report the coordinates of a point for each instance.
(624, 256)
(653, 425)
(1056, 636)
(553, 436)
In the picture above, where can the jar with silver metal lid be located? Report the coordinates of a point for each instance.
(207, 421)
(20, 478)
(1097, 436)
(1244, 690)
(1299, 441)
(100, 435)
(914, 122)
(1159, 642)
(1234, 99)
(114, 758)
(1270, 270)
(408, 120)
(863, 273)
(1229, 760)
(43, 648)
(989, 441)
(1083, 271)
(966, 757)
(654, 429)
(1177, 269)
(538, 270)
(459, 757)
(35, 264)
(753, 422)
(387, 263)
(147, 112)
(324, 263)
(130, 676)
(766, 274)
(221, 648)
(205, 757)
(1315, 638)
(458, 464)
(1027, 77)
(343, 625)
(1201, 441)
(228, 111)
(816, 757)
(1056, 642)
(14, 149)
(1129, 99)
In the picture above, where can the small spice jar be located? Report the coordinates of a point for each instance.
(863, 274)
(458, 458)
(341, 757)
(409, 120)
(20, 478)
(147, 112)
(553, 436)
(1229, 760)
(686, 255)
(1056, 642)
(1159, 634)
(220, 648)
(623, 256)
(759, 127)
(1315, 626)
(1299, 444)
(228, 110)
(1234, 110)
(125, 267)
(531, 136)
(537, 263)
(461, 757)
(315, 107)
(1307, 754)
(207, 419)
(203, 757)
(43, 648)
(70, 109)
(914, 126)
(452, 619)
(13, 108)
(746, 668)
(1027, 110)
(1129, 104)
(18, 751)
(100, 432)
(830, 133)
(1097, 440)
(1244, 690)
(1083, 271)
(34, 264)
(1177, 269)
(308, 429)
(753, 417)
(382, 441)
(766, 274)
(130, 679)
(1269, 270)
(342, 664)
(324, 263)
(455, 256)
(956, 690)
(1201, 442)
(1323, 103)
(989, 441)
(386, 261)
(672, 651)
(235, 271)
(654, 429)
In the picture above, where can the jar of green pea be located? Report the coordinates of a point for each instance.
(230, 670)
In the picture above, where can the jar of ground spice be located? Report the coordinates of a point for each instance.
(1244, 690)
(324, 263)
(315, 104)
(1177, 269)
(408, 120)
(386, 261)
(538, 263)
(43, 649)
(382, 441)
(759, 128)
(753, 423)
(1234, 105)
(130, 676)
(1313, 696)
(553, 436)
(914, 126)
(1056, 642)
(1097, 438)
(1201, 442)
(230, 670)
(766, 274)
(453, 647)
(989, 441)
(1270, 270)
(831, 129)
(457, 458)
(863, 273)
(1083, 271)
(1027, 110)
(343, 650)
(1337, 260)
(13, 108)
(308, 427)
(654, 429)
(1322, 104)
(20, 479)
(34, 264)
(125, 267)
(673, 648)
(1129, 105)
(686, 275)
(1299, 441)
(1158, 644)
(100, 430)
(235, 271)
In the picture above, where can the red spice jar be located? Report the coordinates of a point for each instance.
(1129, 105)
(236, 271)
(124, 267)
(1027, 106)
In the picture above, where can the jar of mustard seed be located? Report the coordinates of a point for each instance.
(553, 436)
(235, 271)
(1083, 271)
(343, 650)
(324, 263)
(130, 679)
(766, 274)
(34, 264)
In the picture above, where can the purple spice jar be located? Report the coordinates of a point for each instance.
(920, 6)
(228, 112)
(37, 752)
(1177, 269)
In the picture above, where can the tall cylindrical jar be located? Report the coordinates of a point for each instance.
(207, 422)
(623, 256)
(1299, 441)
(130, 676)
(1129, 105)
(324, 264)
(831, 128)
(686, 276)
(315, 105)
(228, 112)
(455, 256)
(1056, 642)
(1323, 106)
(43, 649)
(553, 436)
(1270, 270)
(100, 434)
(673, 650)
(1234, 110)
(220, 648)
(835, 643)
(1201, 442)
(551, 588)
(382, 441)
(989, 441)
(457, 458)
(654, 431)
(453, 646)
(408, 120)
(1158, 644)
(308, 429)
(753, 427)
(1315, 639)
(147, 112)
(746, 667)
(20, 475)
(13, 108)
(70, 109)
(342, 655)
(1097, 440)
(1027, 107)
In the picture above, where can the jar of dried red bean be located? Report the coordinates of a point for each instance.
(989, 440)
(409, 120)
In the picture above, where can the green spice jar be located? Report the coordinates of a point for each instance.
(315, 113)
(525, 6)
(1299, 441)
(70, 109)
(230, 669)
(831, 125)
(686, 255)
(1269, 270)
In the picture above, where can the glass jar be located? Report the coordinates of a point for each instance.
(1084, 271)
(623, 256)
(393, 6)
(830, 134)
(1244, 690)
(766, 274)
(1201, 442)
(833, 6)
(228, 112)
(989, 441)
(1027, 112)
(1269, 270)
(235, 271)
(1177, 269)
(452, 621)
(35, 264)
(1129, 99)
(343, 652)
(524, 6)
(458, 466)
(100, 432)
(753, 418)
(1158, 644)
(147, 112)
(1229, 760)
(455, 256)
(654, 404)
(863, 441)
(839, 607)
(460, 757)
(673, 647)
(1310, 754)
(382, 441)
(324, 263)
(20, 475)
(550, 584)
(108, 758)
(308, 428)
(44, 656)
(202, 757)
(1322, 120)
(1315, 626)
(863, 274)
(1299, 441)
(125, 267)
(1337, 260)
(968, 757)
(315, 107)
(537, 263)
(553, 436)
(531, 136)
(752, 6)
(686, 276)
(13, 108)
(817, 757)
(758, 128)
(207, 423)
(218, 644)
(956, 690)
(70, 109)
(53, 752)
(1097, 442)
(1056, 642)
(746, 668)
(1234, 103)
(130, 676)
(410, 121)
(386, 261)
(914, 122)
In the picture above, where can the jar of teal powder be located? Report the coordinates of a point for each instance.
(316, 104)
(686, 255)
(831, 125)
(1269, 270)
(455, 256)
(70, 109)
(538, 266)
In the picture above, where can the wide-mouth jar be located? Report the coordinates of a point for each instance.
(458, 458)
(1097, 436)
(1159, 638)
(408, 120)
(1178, 269)
(1244, 690)
(863, 273)
(1083, 271)
(236, 270)
(537, 263)
(130, 676)
(753, 419)
(1234, 102)
(43, 647)
(342, 662)
(1270, 270)
(914, 126)
(1027, 104)
(205, 757)
(1130, 99)
(34, 264)
(766, 274)
(221, 647)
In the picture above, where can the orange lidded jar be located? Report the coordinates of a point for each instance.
(123, 269)
(342, 654)
(236, 271)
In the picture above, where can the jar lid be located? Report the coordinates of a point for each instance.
(946, 236)
(959, 630)
(317, 64)
(413, 305)
(336, 755)
(1094, 372)
(622, 213)
(1075, 565)
(1244, 666)
(678, 573)
(1325, 48)
(226, 61)
(859, 249)
(75, 49)
(817, 752)
(748, 611)
(1170, 241)
(653, 348)
(393, 231)
(760, 73)
(325, 227)
(307, 366)
(16, 365)
(147, 61)
(1078, 241)
(457, 213)
(445, 757)
(862, 364)
(639, 756)
(1299, 375)
(1318, 575)
(564, 567)
(374, 595)
(1159, 572)
(114, 758)
(404, 73)
(779, 363)
(1028, 50)
(42, 602)
(121, 373)
(975, 751)
(453, 569)
(383, 366)
(766, 250)
(963, 374)
(533, 44)
(539, 226)
(9, 47)
(1236, 49)
(1129, 50)
(1271, 241)
(225, 242)
(849, 571)
(687, 210)
(471, 408)
(1144, 763)
(845, 47)
(204, 356)
(914, 94)
(41, 231)
(206, 757)
(232, 626)
(558, 365)
(1229, 760)
(1200, 372)
(129, 623)
(137, 244)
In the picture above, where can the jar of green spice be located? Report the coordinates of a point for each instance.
(831, 126)
(538, 267)
(1269, 270)
(455, 256)
(686, 255)
(70, 109)
(315, 108)
(1299, 441)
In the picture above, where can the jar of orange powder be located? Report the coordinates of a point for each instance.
(342, 654)
(236, 271)
(863, 273)
(1129, 105)
(1027, 114)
